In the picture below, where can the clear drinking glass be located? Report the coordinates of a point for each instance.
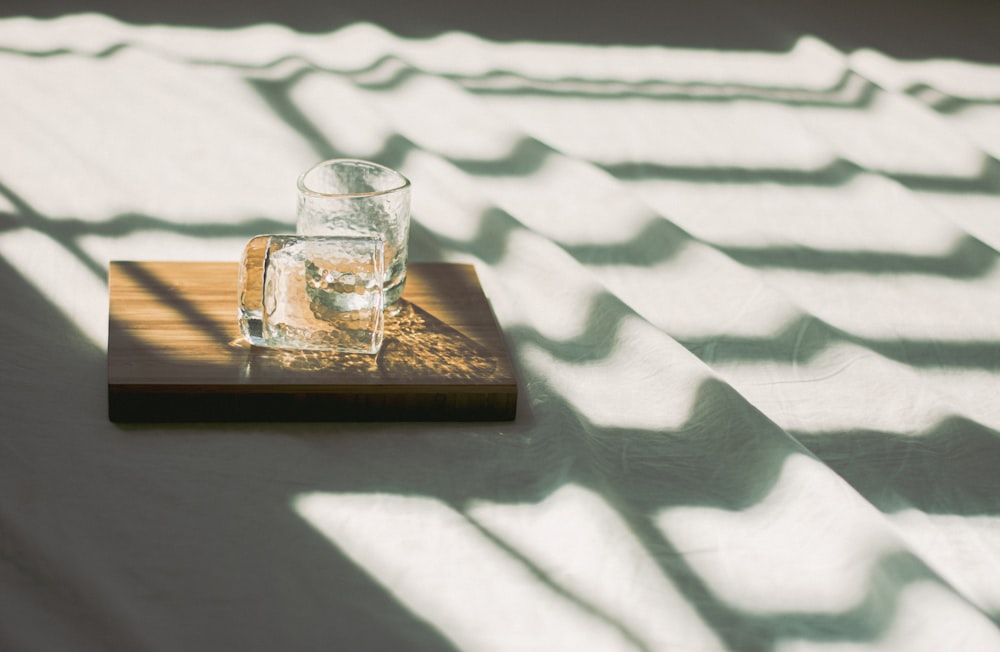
(350, 197)
(313, 292)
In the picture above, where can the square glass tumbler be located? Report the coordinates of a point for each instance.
(351, 197)
(313, 292)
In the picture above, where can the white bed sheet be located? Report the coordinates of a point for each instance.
(753, 300)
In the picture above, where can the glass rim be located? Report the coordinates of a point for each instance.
(306, 190)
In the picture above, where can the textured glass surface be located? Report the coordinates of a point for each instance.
(348, 197)
(313, 292)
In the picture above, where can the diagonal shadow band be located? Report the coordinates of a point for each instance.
(528, 155)
(547, 579)
(103, 53)
(128, 223)
(850, 91)
(802, 339)
(968, 258)
(806, 337)
(123, 224)
(836, 173)
(945, 103)
(68, 231)
(163, 293)
(950, 468)
(390, 71)
(525, 159)
(728, 456)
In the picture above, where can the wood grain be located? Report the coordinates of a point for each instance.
(175, 354)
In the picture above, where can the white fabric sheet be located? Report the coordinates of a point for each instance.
(753, 300)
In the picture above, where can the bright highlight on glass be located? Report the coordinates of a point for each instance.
(313, 292)
(350, 197)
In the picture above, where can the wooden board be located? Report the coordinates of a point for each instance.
(175, 353)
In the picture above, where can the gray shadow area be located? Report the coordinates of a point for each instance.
(928, 29)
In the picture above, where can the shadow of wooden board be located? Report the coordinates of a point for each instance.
(175, 354)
